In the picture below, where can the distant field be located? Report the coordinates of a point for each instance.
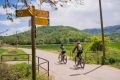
(51, 47)
(115, 45)
(54, 47)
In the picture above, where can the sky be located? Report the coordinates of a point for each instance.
(83, 16)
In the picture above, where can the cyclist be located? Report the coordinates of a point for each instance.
(63, 50)
(79, 49)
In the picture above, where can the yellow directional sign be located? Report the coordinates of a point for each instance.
(22, 13)
(42, 13)
(41, 21)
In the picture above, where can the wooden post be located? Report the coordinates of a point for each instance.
(33, 46)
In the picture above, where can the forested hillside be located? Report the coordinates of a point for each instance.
(53, 34)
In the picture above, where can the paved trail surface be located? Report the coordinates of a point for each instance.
(68, 72)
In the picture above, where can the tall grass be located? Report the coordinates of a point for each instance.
(21, 71)
(2, 50)
(115, 45)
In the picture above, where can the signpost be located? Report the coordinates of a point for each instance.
(41, 21)
(38, 17)
(22, 13)
(41, 13)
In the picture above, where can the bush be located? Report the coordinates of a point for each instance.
(97, 43)
(15, 72)
(18, 72)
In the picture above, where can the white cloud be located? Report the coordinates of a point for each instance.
(9, 23)
(7, 10)
(2, 11)
(20, 4)
(13, 30)
(87, 16)
(23, 29)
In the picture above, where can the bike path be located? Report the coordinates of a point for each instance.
(68, 72)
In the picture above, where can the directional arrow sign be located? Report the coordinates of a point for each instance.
(41, 21)
(42, 13)
(22, 13)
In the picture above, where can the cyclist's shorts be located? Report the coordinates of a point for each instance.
(79, 55)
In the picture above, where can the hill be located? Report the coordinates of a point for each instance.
(52, 34)
(108, 29)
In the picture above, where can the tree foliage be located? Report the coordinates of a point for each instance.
(96, 44)
(48, 35)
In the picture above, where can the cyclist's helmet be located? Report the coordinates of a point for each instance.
(78, 42)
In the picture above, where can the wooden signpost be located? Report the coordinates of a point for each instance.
(41, 21)
(23, 13)
(41, 13)
(38, 17)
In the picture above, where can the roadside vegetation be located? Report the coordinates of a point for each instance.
(21, 71)
(92, 50)
(12, 51)
(91, 57)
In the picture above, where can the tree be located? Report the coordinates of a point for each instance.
(97, 43)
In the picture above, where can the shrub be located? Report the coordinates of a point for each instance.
(18, 72)
(97, 43)
(15, 72)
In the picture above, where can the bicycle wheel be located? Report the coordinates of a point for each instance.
(60, 58)
(82, 63)
(76, 60)
(65, 59)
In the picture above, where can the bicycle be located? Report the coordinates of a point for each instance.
(62, 58)
(79, 62)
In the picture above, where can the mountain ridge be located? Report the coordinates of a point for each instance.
(108, 29)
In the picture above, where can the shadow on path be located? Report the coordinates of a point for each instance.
(73, 68)
(59, 63)
(87, 72)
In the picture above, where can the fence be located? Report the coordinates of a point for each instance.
(27, 57)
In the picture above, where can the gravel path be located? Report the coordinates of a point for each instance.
(67, 71)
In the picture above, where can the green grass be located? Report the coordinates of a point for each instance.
(21, 71)
(20, 51)
(13, 51)
(113, 54)
(2, 50)
(115, 45)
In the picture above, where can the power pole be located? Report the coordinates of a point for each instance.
(102, 32)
